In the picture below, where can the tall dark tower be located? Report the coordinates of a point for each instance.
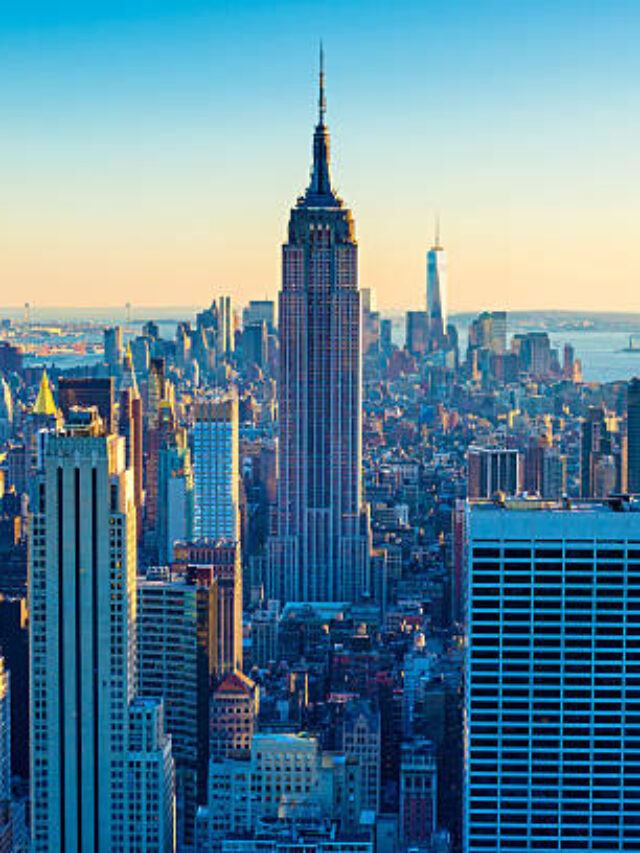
(633, 436)
(320, 547)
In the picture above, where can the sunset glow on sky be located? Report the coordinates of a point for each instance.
(151, 151)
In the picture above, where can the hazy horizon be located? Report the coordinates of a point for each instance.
(137, 311)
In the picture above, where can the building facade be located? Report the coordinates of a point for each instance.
(234, 708)
(491, 470)
(216, 477)
(633, 436)
(552, 717)
(321, 548)
(219, 565)
(83, 608)
(176, 654)
(418, 793)
(150, 769)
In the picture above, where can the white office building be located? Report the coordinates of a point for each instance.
(552, 717)
(82, 642)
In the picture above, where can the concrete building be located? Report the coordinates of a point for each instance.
(260, 311)
(285, 772)
(218, 564)
(360, 739)
(281, 779)
(177, 635)
(151, 797)
(83, 642)
(264, 637)
(418, 794)
(174, 521)
(418, 336)
(85, 392)
(113, 351)
(595, 444)
(14, 644)
(491, 470)
(234, 707)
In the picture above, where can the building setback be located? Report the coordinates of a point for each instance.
(321, 548)
(83, 649)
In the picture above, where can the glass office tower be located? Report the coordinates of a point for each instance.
(552, 718)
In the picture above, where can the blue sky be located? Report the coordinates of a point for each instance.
(151, 151)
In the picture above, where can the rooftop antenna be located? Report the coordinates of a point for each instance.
(322, 102)
(437, 245)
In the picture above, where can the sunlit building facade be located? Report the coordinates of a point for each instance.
(321, 548)
(83, 609)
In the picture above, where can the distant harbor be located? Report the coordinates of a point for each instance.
(606, 343)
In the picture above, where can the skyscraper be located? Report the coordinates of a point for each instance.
(321, 548)
(633, 436)
(595, 444)
(216, 477)
(177, 639)
(113, 351)
(130, 426)
(552, 701)
(218, 563)
(87, 391)
(418, 338)
(83, 644)
(437, 292)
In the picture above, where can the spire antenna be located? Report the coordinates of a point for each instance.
(437, 246)
(322, 103)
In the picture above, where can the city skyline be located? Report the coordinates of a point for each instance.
(136, 138)
(320, 518)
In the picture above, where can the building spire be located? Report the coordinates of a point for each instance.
(437, 243)
(320, 192)
(44, 404)
(322, 101)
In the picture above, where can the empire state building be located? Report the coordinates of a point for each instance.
(321, 543)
